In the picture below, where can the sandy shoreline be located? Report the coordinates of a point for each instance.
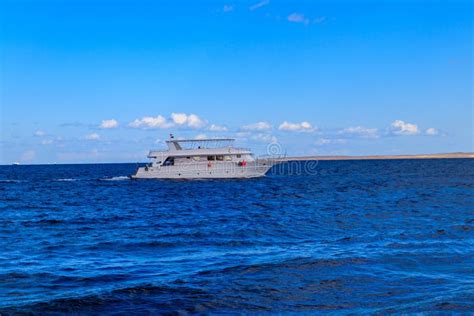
(375, 157)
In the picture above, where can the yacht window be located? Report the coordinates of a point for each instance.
(211, 157)
(227, 158)
(219, 158)
(239, 155)
(197, 158)
(188, 157)
(169, 161)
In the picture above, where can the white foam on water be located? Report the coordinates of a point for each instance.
(66, 180)
(11, 181)
(119, 178)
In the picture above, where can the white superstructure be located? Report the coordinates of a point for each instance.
(203, 158)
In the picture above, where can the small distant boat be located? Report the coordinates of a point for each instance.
(16, 163)
(203, 159)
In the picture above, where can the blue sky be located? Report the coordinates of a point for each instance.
(104, 81)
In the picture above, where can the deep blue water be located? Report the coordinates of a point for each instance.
(349, 237)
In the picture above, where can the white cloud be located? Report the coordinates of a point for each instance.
(176, 120)
(40, 133)
(201, 136)
(432, 131)
(109, 124)
(259, 126)
(179, 118)
(327, 141)
(260, 136)
(360, 131)
(195, 122)
(217, 128)
(259, 5)
(323, 141)
(242, 136)
(93, 136)
(191, 120)
(46, 142)
(296, 127)
(265, 138)
(399, 127)
(228, 8)
(298, 18)
(151, 122)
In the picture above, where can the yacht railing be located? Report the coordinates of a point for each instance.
(163, 151)
(159, 151)
(242, 148)
(271, 157)
(211, 165)
(153, 153)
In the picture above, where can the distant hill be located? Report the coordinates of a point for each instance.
(371, 157)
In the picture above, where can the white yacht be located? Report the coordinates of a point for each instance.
(203, 158)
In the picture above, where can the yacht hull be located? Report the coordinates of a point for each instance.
(204, 171)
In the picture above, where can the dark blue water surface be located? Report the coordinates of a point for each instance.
(348, 237)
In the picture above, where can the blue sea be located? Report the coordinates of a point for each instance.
(380, 236)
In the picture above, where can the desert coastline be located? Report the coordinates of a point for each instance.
(383, 157)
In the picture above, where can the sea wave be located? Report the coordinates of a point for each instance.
(11, 181)
(117, 178)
